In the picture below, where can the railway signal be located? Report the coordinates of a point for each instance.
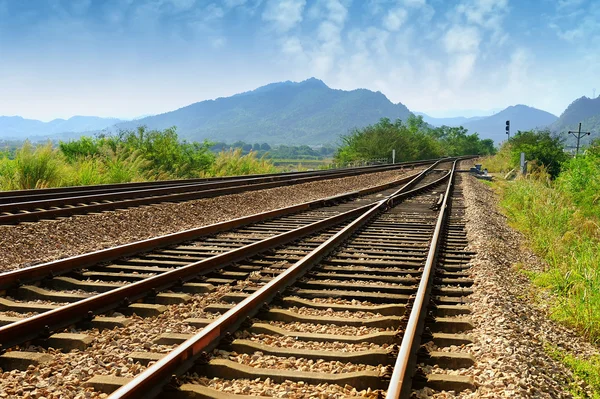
(508, 129)
(578, 134)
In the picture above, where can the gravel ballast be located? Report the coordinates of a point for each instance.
(512, 328)
(32, 243)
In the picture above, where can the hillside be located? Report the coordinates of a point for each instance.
(584, 110)
(307, 112)
(16, 127)
(521, 117)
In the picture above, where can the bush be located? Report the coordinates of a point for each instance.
(540, 146)
(378, 141)
(412, 140)
(129, 156)
(36, 167)
(232, 162)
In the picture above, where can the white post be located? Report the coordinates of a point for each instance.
(393, 156)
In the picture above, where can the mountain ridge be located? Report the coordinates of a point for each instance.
(522, 117)
(15, 127)
(306, 112)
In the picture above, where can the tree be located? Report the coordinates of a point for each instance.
(542, 146)
(265, 147)
(410, 141)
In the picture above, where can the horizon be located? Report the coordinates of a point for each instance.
(113, 59)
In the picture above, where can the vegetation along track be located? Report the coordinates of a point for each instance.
(380, 265)
(33, 205)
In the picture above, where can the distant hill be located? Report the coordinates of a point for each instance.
(307, 112)
(16, 127)
(454, 121)
(521, 117)
(585, 110)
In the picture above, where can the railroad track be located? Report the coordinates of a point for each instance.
(33, 205)
(369, 250)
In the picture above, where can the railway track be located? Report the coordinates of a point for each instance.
(353, 269)
(33, 205)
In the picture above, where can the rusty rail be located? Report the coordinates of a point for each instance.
(150, 382)
(33, 273)
(401, 381)
(53, 320)
(58, 192)
(16, 212)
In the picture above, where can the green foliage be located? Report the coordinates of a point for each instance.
(580, 181)
(412, 140)
(84, 147)
(129, 156)
(541, 146)
(560, 218)
(33, 167)
(586, 370)
(456, 141)
(232, 162)
(280, 152)
(165, 153)
(501, 162)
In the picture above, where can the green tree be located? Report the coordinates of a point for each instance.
(410, 140)
(541, 146)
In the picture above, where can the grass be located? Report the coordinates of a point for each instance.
(102, 161)
(568, 241)
(586, 370)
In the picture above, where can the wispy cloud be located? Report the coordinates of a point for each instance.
(284, 14)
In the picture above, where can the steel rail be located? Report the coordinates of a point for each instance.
(54, 268)
(151, 381)
(401, 381)
(44, 193)
(147, 196)
(64, 316)
(210, 188)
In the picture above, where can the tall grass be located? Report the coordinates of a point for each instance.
(501, 162)
(130, 157)
(567, 236)
(232, 162)
(33, 167)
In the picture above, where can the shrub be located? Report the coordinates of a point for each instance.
(232, 162)
(37, 167)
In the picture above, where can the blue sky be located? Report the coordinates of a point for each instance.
(126, 58)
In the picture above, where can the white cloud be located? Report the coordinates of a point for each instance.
(395, 18)
(461, 39)
(461, 68)
(284, 14)
(486, 13)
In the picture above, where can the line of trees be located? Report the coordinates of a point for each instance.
(413, 139)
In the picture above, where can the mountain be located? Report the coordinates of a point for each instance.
(453, 121)
(16, 127)
(585, 110)
(307, 112)
(521, 117)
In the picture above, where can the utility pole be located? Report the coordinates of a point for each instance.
(508, 129)
(579, 134)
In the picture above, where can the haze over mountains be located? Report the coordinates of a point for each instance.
(16, 127)
(307, 112)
